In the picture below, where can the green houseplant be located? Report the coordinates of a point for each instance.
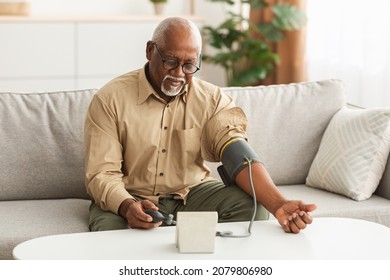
(243, 48)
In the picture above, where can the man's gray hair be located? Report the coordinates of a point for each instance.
(166, 24)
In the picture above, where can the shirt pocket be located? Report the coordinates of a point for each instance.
(186, 146)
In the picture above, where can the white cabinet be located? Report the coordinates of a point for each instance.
(36, 55)
(112, 48)
(25, 48)
(106, 50)
(63, 54)
(31, 84)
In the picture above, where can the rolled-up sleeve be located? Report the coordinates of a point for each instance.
(219, 129)
(103, 157)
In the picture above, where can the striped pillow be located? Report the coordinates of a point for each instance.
(353, 153)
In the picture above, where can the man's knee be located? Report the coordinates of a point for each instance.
(241, 207)
(100, 220)
(261, 213)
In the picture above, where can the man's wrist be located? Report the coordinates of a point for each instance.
(276, 206)
(124, 207)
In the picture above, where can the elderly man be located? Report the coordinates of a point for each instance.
(149, 132)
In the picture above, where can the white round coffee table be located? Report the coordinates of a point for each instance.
(326, 238)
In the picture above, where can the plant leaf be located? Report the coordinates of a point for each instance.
(271, 32)
(230, 2)
(288, 17)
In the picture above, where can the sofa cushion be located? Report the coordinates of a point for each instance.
(376, 209)
(353, 153)
(24, 220)
(286, 123)
(42, 153)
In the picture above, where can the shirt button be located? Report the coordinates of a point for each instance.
(161, 173)
(163, 150)
(165, 127)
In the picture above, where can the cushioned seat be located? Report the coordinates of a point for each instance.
(25, 219)
(375, 209)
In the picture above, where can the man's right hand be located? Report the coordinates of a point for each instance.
(134, 212)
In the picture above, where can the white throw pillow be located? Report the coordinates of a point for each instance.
(353, 153)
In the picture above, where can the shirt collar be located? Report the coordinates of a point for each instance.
(146, 89)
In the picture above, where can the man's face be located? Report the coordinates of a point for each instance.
(171, 67)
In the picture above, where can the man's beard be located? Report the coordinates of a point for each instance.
(173, 91)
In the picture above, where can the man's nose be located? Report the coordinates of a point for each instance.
(178, 71)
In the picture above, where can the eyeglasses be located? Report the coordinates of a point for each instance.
(171, 63)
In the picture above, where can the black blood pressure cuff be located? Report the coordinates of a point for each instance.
(234, 154)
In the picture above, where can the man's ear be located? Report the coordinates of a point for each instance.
(149, 49)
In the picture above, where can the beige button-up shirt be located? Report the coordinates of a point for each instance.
(138, 144)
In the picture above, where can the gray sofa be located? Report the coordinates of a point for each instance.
(41, 162)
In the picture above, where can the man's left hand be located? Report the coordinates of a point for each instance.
(293, 215)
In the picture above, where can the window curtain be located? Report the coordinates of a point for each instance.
(350, 40)
(292, 65)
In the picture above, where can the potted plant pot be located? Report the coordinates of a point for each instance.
(159, 6)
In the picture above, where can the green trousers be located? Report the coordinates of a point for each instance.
(231, 203)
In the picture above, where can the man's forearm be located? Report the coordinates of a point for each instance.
(267, 193)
